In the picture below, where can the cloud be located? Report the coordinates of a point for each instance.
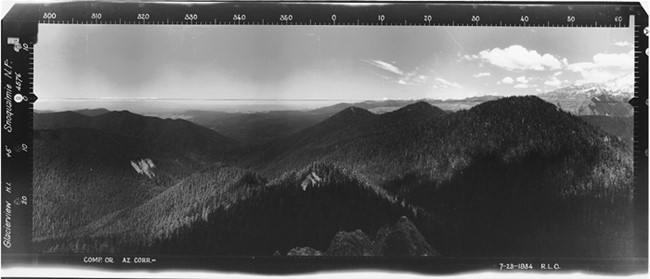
(443, 83)
(517, 57)
(385, 66)
(412, 78)
(522, 82)
(553, 81)
(397, 75)
(623, 44)
(481, 75)
(439, 82)
(604, 67)
(620, 60)
(507, 80)
(470, 57)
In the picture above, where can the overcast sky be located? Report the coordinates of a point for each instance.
(321, 62)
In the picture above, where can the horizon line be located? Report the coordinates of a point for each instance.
(264, 99)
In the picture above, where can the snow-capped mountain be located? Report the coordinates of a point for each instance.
(623, 84)
(621, 88)
(608, 98)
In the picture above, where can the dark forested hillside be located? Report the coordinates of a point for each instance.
(620, 127)
(286, 214)
(410, 115)
(517, 157)
(228, 211)
(92, 112)
(511, 177)
(367, 105)
(258, 127)
(349, 127)
(440, 144)
(87, 167)
(522, 159)
(190, 200)
(82, 174)
(167, 135)
(326, 137)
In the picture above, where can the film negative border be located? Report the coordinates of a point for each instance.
(312, 13)
(19, 34)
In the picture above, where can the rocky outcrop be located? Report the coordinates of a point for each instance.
(403, 239)
(304, 251)
(144, 166)
(354, 243)
(400, 240)
(310, 181)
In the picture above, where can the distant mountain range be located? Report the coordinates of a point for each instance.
(92, 112)
(167, 135)
(609, 98)
(601, 99)
(621, 88)
(338, 185)
(605, 99)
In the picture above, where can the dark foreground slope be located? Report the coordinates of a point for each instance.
(567, 184)
(228, 211)
(87, 167)
(82, 174)
(399, 240)
(513, 177)
(519, 177)
(620, 127)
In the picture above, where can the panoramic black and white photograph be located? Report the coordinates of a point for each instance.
(340, 141)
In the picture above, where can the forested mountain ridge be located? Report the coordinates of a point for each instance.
(455, 175)
(262, 127)
(438, 145)
(191, 199)
(319, 139)
(258, 127)
(92, 112)
(599, 99)
(228, 211)
(84, 161)
(167, 135)
(472, 168)
(620, 127)
(348, 127)
(525, 159)
(78, 169)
